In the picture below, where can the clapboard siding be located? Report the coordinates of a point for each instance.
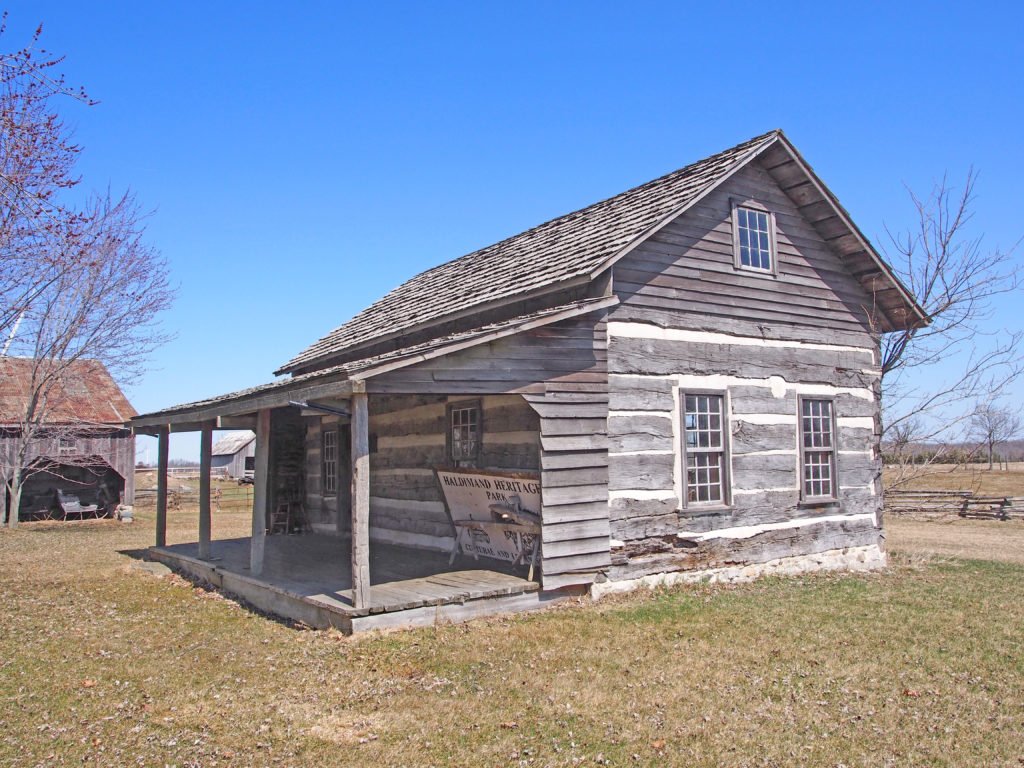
(574, 481)
(570, 352)
(686, 270)
(409, 432)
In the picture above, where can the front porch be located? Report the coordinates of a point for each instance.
(308, 578)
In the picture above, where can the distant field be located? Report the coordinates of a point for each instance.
(103, 663)
(977, 478)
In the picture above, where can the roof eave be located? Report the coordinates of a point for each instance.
(325, 360)
(920, 317)
(740, 163)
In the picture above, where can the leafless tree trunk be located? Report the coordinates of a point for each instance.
(927, 411)
(993, 425)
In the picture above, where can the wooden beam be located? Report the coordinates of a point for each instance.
(260, 496)
(161, 487)
(205, 450)
(236, 422)
(360, 501)
(191, 417)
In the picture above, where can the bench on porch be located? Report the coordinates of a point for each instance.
(69, 504)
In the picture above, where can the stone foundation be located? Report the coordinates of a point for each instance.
(856, 559)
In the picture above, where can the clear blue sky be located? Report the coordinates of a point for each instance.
(304, 158)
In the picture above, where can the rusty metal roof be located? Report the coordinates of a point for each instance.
(84, 393)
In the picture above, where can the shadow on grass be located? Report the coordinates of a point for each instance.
(205, 586)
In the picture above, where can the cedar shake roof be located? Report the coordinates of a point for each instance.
(87, 394)
(570, 247)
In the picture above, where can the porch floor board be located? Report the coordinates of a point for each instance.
(309, 578)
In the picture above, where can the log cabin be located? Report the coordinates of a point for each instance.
(678, 382)
(81, 449)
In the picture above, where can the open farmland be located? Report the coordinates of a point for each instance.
(104, 663)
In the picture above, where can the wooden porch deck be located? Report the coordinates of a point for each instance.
(308, 578)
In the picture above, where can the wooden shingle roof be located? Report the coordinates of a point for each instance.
(562, 250)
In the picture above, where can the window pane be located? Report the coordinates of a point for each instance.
(818, 442)
(465, 428)
(754, 240)
(704, 442)
(330, 461)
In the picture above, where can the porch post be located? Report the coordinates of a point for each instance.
(260, 483)
(161, 486)
(360, 501)
(205, 450)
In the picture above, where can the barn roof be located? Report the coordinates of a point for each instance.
(85, 393)
(232, 443)
(577, 247)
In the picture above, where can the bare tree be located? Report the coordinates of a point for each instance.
(37, 158)
(993, 425)
(76, 282)
(954, 280)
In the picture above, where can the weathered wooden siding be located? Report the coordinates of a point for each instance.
(407, 435)
(690, 321)
(572, 352)
(116, 447)
(574, 485)
(683, 276)
(565, 366)
(235, 462)
(406, 506)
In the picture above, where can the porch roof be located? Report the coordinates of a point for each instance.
(340, 381)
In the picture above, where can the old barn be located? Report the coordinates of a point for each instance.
(234, 454)
(681, 379)
(80, 460)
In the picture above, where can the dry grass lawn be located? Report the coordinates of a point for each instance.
(102, 663)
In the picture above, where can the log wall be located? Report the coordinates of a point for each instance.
(689, 320)
(407, 441)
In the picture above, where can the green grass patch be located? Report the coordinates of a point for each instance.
(104, 664)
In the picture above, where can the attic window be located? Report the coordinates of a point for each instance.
(753, 239)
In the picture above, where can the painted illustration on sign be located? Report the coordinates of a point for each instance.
(495, 514)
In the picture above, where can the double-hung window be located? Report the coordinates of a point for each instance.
(753, 239)
(464, 433)
(330, 461)
(817, 449)
(704, 448)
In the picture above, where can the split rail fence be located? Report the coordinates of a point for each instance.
(948, 502)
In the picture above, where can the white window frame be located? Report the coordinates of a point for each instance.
(459, 454)
(721, 450)
(329, 459)
(810, 431)
(773, 251)
(66, 446)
